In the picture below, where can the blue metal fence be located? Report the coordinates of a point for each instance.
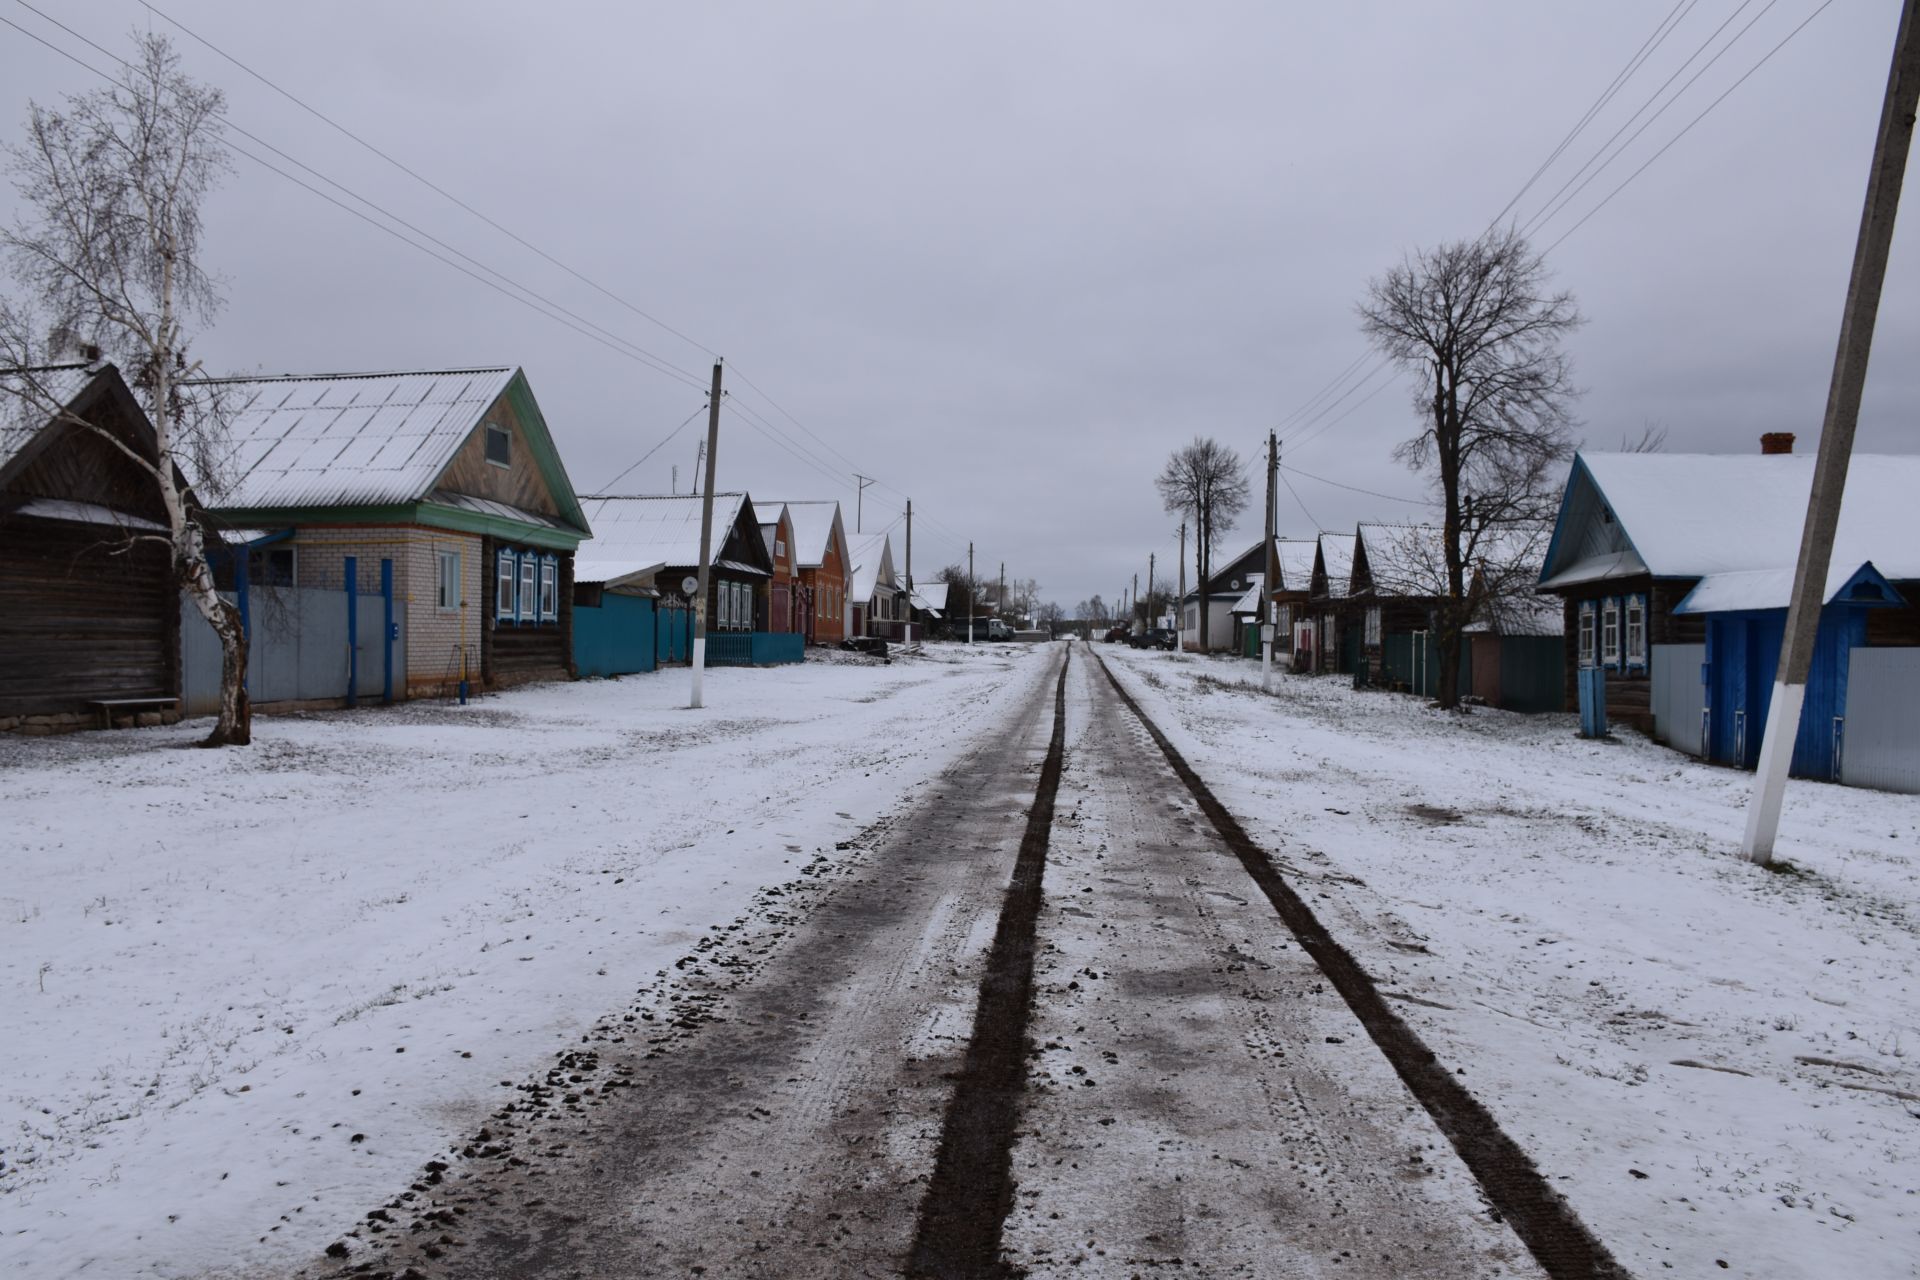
(754, 648)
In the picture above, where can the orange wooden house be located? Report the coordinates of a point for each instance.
(821, 565)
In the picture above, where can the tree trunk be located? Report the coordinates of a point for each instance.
(234, 727)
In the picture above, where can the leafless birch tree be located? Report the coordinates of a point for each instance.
(1207, 482)
(1476, 324)
(105, 253)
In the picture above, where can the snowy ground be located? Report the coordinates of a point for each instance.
(247, 994)
(1716, 1063)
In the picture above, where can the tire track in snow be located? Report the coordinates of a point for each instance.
(971, 1191)
(1559, 1241)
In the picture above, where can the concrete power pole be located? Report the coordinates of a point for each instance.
(1836, 437)
(1002, 605)
(706, 540)
(909, 622)
(1150, 590)
(1267, 619)
(971, 593)
(1180, 601)
(1133, 601)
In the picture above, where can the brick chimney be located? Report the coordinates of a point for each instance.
(1776, 442)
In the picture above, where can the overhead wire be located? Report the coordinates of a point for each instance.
(1371, 493)
(664, 441)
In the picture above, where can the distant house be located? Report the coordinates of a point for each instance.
(1674, 573)
(825, 566)
(1398, 580)
(876, 605)
(1289, 591)
(653, 540)
(1334, 643)
(89, 605)
(1224, 588)
(786, 609)
(449, 475)
(929, 606)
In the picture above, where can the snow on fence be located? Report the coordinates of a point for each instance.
(1679, 698)
(1881, 748)
(298, 649)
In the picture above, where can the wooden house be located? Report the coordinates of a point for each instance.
(876, 604)
(825, 565)
(89, 601)
(1331, 640)
(653, 540)
(1674, 573)
(1396, 584)
(1225, 587)
(786, 603)
(1289, 592)
(450, 475)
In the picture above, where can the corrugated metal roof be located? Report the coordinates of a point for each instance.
(1296, 563)
(27, 397)
(359, 439)
(492, 507)
(812, 529)
(872, 558)
(1336, 551)
(1404, 559)
(644, 532)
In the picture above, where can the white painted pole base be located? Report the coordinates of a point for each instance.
(1266, 666)
(699, 669)
(1770, 777)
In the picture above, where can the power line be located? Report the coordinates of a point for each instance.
(1689, 126)
(664, 441)
(428, 183)
(1412, 502)
(1296, 497)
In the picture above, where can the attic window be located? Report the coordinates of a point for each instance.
(499, 446)
(1606, 514)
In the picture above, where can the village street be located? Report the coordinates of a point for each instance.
(843, 1046)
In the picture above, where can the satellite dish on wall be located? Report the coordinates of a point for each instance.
(690, 584)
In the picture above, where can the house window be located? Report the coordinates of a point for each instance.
(499, 446)
(1610, 633)
(780, 546)
(447, 587)
(505, 575)
(1583, 628)
(1286, 619)
(1373, 626)
(1636, 631)
(549, 589)
(529, 602)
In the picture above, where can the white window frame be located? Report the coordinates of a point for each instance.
(1586, 631)
(549, 589)
(1634, 632)
(506, 570)
(529, 588)
(447, 586)
(1373, 627)
(1610, 633)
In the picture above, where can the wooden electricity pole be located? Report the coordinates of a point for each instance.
(909, 622)
(971, 593)
(1150, 590)
(706, 540)
(859, 501)
(1180, 601)
(1836, 437)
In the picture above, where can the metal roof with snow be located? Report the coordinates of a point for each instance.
(1250, 601)
(1335, 556)
(1296, 563)
(813, 521)
(31, 397)
(872, 566)
(1733, 521)
(639, 534)
(1403, 559)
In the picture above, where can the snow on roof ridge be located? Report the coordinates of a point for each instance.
(345, 377)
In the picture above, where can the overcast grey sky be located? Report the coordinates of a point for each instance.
(1006, 256)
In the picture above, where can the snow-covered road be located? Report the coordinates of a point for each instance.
(1715, 1063)
(248, 994)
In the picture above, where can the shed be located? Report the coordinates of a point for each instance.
(89, 601)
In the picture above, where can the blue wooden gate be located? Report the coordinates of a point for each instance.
(1593, 702)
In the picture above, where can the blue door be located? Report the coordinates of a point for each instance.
(1743, 661)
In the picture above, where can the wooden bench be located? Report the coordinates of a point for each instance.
(109, 705)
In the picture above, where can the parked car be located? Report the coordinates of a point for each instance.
(1156, 638)
(1117, 635)
(998, 630)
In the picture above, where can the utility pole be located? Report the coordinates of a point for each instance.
(706, 540)
(1002, 605)
(1133, 604)
(1267, 621)
(699, 453)
(1180, 602)
(860, 501)
(1836, 437)
(909, 622)
(971, 593)
(676, 479)
(1150, 556)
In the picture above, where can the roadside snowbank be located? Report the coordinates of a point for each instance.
(1715, 1062)
(248, 993)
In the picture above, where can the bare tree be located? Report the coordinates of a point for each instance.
(106, 254)
(1207, 482)
(1093, 610)
(1476, 324)
(1049, 615)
